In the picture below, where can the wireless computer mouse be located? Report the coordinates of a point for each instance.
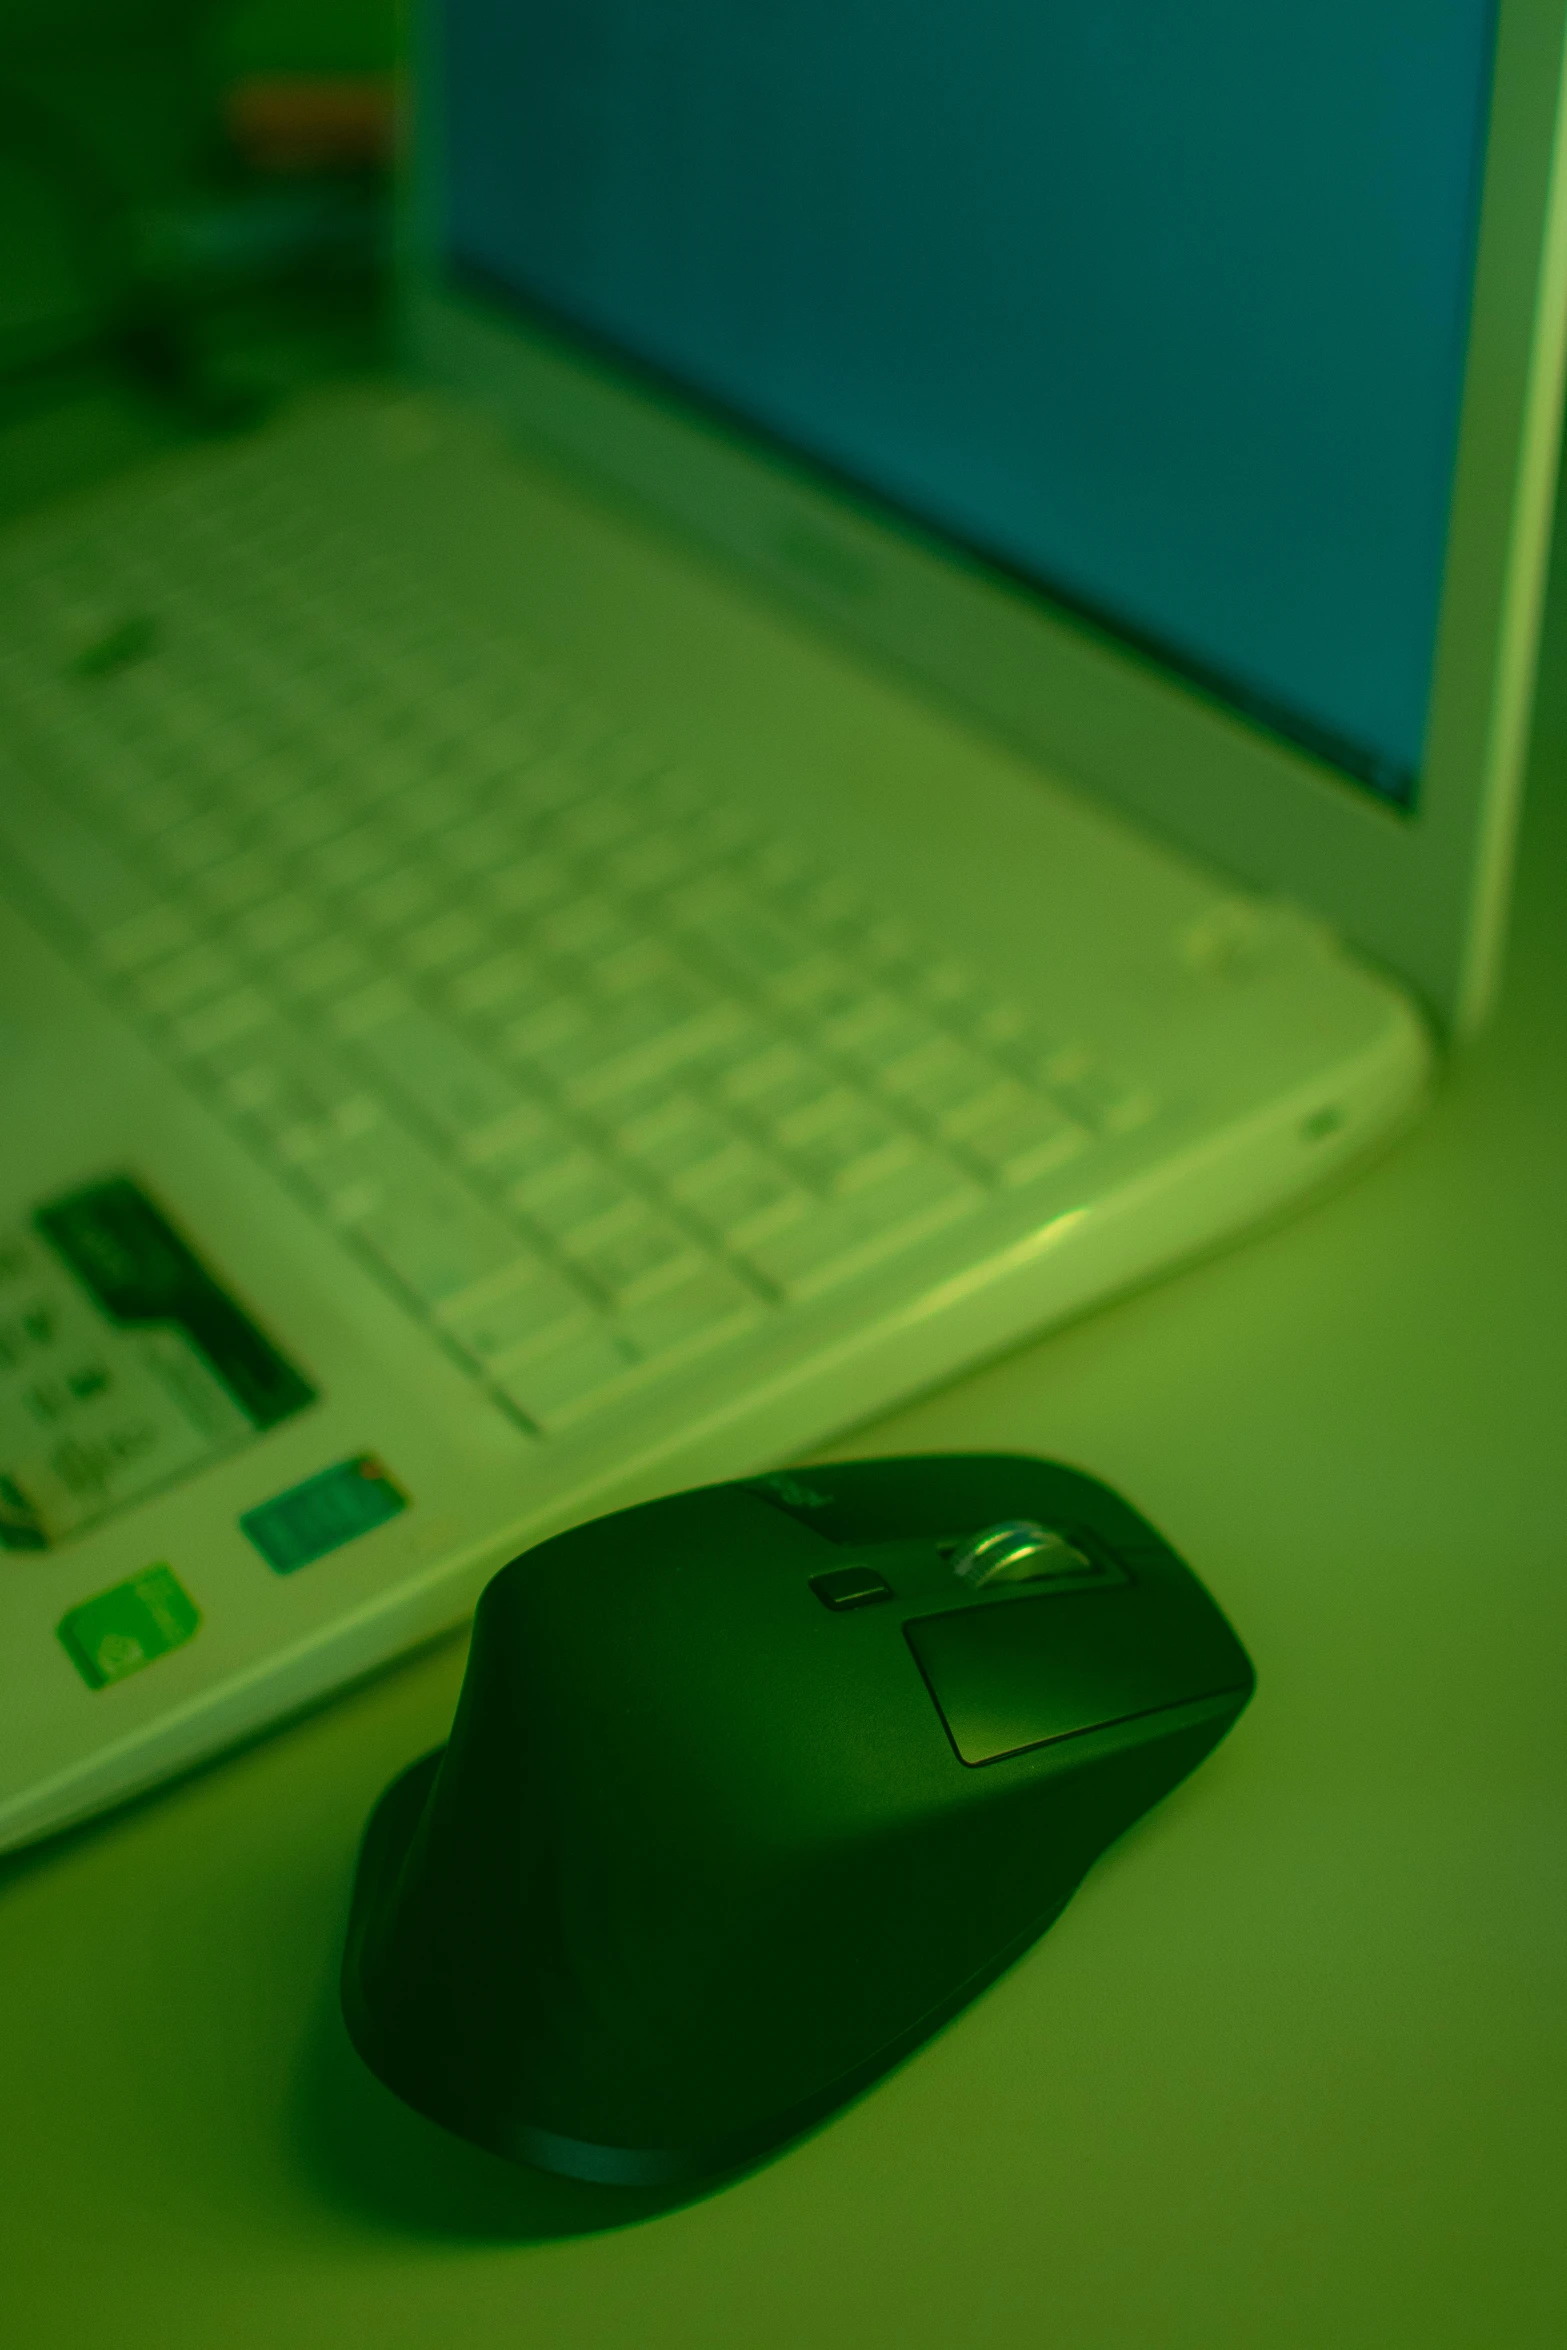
(752, 1788)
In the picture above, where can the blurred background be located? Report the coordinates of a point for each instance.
(195, 220)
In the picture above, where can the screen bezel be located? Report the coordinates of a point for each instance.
(1422, 891)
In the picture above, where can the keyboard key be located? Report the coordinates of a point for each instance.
(586, 926)
(348, 1174)
(619, 761)
(636, 1258)
(648, 1037)
(455, 935)
(643, 962)
(434, 1069)
(817, 989)
(351, 858)
(973, 1093)
(168, 800)
(226, 750)
(1023, 1141)
(1048, 1065)
(544, 1026)
(424, 810)
(615, 1028)
(381, 998)
(245, 880)
(731, 830)
(832, 908)
(889, 944)
(711, 1304)
(672, 794)
(823, 1108)
(989, 1107)
(280, 1075)
(526, 1146)
(525, 885)
(677, 1140)
(745, 1040)
(865, 1015)
(829, 1004)
(279, 927)
(748, 1198)
(857, 1147)
(221, 1022)
(849, 1237)
(323, 972)
(507, 1324)
(546, 785)
(559, 1386)
(323, 1130)
(756, 944)
(439, 1240)
(301, 821)
(652, 863)
(500, 745)
(707, 896)
(494, 984)
(575, 1196)
(775, 865)
(264, 783)
(995, 1021)
(1107, 1102)
(891, 1035)
(395, 902)
(192, 846)
(477, 844)
(945, 982)
(160, 929)
(191, 977)
(594, 825)
(773, 1082)
(944, 1084)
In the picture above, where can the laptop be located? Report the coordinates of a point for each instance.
(910, 712)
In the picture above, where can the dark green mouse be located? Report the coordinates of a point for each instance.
(751, 1789)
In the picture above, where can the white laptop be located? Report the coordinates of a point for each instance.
(913, 713)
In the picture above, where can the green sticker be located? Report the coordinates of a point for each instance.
(123, 1629)
(323, 1513)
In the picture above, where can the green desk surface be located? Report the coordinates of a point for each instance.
(1288, 2074)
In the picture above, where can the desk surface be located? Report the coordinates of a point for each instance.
(1288, 2072)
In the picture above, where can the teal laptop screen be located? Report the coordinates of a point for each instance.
(1161, 305)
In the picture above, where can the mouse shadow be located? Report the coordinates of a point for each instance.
(373, 2158)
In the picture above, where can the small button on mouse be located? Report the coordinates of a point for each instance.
(843, 1587)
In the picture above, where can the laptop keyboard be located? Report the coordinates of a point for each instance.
(591, 1066)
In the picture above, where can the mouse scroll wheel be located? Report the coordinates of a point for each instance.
(1016, 1551)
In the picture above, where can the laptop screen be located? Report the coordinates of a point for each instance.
(1162, 308)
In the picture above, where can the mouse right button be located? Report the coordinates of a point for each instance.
(1026, 1671)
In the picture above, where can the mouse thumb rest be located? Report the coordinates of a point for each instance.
(707, 1854)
